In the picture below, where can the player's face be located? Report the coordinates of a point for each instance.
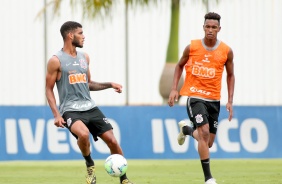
(211, 28)
(78, 38)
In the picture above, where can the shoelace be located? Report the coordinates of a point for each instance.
(90, 171)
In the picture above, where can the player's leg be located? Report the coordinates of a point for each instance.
(83, 142)
(209, 131)
(190, 128)
(186, 128)
(81, 133)
(109, 138)
(203, 141)
(192, 106)
(211, 140)
(214, 109)
(100, 127)
(203, 149)
(198, 112)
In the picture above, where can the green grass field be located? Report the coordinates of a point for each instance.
(237, 171)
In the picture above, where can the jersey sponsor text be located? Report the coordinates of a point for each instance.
(77, 78)
(195, 90)
(203, 71)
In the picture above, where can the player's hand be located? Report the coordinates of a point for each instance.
(59, 122)
(229, 108)
(173, 97)
(117, 87)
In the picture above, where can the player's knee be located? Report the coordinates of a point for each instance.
(204, 134)
(112, 142)
(83, 137)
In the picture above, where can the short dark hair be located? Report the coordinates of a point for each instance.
(214, 16)
(68, 27)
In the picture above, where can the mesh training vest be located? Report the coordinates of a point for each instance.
(73, 86)
(204, 70)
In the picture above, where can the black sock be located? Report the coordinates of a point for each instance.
(206, 168)
(123, 177)
(89, 161)
(187, 130)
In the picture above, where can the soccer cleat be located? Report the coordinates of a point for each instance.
(210, 181)
(91, 177)
(126, 181)
(181, 137)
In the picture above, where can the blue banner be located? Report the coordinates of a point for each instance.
(144, 132)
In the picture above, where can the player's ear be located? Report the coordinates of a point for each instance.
(70, 35)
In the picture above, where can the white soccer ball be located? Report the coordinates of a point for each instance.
(116, 165)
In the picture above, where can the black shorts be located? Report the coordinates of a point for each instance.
(201, 112)
(94, 119)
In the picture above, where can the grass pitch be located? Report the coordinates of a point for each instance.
(247, 171)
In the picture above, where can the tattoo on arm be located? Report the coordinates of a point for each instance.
(97, 86)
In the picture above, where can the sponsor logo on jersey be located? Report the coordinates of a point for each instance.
(80, 106)
(195, 90)
(203, 71)
(77, 78)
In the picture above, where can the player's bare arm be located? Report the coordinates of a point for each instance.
(230, 83)
(96, 86)
(173, 96)
(53, 71)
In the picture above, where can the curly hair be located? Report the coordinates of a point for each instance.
(214, 16)
(68, 27)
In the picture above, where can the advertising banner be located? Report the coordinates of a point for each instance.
(144, 132)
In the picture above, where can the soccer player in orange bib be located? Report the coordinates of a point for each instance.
(204, 61)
